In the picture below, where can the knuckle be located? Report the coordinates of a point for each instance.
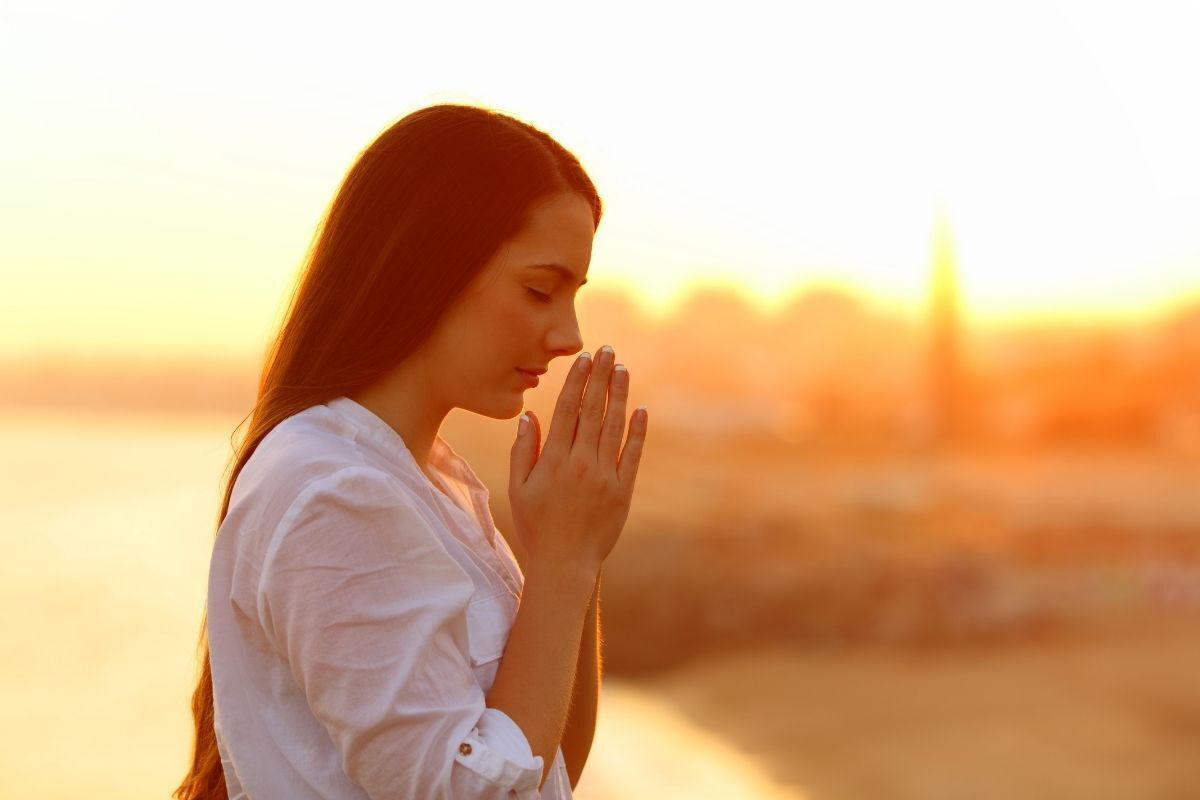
(578, 468)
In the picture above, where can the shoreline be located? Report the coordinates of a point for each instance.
(1097, 715)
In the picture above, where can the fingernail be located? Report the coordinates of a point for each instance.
(606, 349)
(523, 425)
(585, 359)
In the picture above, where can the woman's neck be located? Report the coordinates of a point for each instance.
(405, 404)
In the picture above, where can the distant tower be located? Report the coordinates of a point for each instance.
(945, 330)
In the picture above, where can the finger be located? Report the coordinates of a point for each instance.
(537, 437)
(522, 457)
(591, 412)
(566, 410)
(614, 417)
(631, 455)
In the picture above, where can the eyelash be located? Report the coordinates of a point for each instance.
(541, 298)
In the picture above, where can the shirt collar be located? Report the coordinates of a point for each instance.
(451, 468)
(442, 457)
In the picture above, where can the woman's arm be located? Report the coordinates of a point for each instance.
(570, 500)
(534, 681)
(581, 717)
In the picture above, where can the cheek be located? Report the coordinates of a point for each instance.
(515, 324)
(499, 334)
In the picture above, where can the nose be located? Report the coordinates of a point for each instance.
(564, 338)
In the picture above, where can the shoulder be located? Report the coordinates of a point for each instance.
(309, 451)
(311, 462)
(314, 441)
(357, 525)
(351, 488)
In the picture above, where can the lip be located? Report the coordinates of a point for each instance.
(531, 380)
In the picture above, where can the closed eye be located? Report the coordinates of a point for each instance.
(541, 297)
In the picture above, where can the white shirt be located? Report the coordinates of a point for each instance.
(357, 614)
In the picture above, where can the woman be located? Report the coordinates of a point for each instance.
(368, 633)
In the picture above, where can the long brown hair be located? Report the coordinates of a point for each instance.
(420, 212)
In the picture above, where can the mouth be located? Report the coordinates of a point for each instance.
(529, 376)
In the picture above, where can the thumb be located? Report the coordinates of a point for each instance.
(524, 451)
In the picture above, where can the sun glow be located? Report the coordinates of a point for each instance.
(741, 151)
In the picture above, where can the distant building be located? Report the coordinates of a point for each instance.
(945, 337)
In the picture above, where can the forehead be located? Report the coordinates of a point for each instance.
(557, 237)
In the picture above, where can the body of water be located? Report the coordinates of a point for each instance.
(108, 520)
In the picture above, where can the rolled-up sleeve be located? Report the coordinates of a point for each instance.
(359, 594)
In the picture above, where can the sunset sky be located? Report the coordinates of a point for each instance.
(163, 166)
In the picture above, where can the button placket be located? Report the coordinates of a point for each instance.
(488, 557)
(500, 562)
(373, 432)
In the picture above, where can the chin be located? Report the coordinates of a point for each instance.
(500, 408)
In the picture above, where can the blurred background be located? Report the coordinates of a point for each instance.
(911, 291)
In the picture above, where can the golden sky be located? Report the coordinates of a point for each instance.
(164, 166)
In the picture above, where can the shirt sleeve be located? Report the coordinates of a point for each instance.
(360, 595)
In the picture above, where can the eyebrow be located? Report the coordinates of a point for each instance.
(560, 269)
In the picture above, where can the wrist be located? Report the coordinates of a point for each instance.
(567, 575)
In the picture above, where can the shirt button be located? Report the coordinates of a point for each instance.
(465, 749)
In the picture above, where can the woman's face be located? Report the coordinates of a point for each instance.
(515, 314)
